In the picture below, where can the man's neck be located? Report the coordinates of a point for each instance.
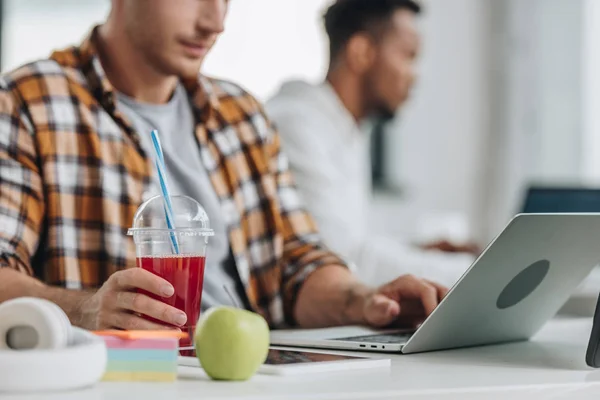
(349, 93)
(128, 72)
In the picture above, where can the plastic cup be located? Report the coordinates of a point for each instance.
(155, 253)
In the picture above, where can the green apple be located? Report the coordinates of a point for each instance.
(231, 343)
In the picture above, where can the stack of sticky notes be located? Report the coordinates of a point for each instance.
(145, 356)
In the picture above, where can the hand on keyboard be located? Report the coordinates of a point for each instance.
(405, 302)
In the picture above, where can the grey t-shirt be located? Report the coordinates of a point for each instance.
(187, 176)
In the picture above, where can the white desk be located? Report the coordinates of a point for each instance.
(552, 364)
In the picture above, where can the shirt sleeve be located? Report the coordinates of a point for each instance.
(21, 193)
(303, 249)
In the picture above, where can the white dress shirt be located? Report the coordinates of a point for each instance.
(329, 155)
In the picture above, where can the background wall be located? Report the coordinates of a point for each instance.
(538, 104)
(31, 29)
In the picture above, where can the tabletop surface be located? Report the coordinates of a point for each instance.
(552, 363)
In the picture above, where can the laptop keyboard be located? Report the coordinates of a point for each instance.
(385, 338)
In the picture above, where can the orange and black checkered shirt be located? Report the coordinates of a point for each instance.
(72, 174)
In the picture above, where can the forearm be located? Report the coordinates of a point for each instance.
(15, 284)
(331, 296)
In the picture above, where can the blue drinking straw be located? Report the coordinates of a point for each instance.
(162, 177)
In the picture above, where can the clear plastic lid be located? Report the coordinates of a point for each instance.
(190, 218)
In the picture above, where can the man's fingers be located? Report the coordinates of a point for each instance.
(386, 307)
(382, 310)
(449, 247)
(414, 299)
(441, 289)
(138, 278)
(411, 287)
(409, 315)
(429, 297)
(412, 308)
(132, 322)
(142, 304)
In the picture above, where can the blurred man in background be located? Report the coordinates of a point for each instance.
(374, 46)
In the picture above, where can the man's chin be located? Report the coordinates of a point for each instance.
(188, 70)
(190, 73)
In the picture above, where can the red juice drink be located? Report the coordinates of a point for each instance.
(176, 254)
(186, 274)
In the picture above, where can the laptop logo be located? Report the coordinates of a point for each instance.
(522, 285)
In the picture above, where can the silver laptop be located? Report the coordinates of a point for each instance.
(516, 285)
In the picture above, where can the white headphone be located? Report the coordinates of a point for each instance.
(41, 351)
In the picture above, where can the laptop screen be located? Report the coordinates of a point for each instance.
(562, 200)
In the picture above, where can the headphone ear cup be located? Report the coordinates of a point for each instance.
(63, 330)
(47, 326)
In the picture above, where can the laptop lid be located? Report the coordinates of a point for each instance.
(518, 283)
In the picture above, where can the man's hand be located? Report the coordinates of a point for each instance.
(333, 296)
(118, 305)
(449, 247)
(407, 301)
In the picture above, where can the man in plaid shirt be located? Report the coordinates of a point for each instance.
(74, 167)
